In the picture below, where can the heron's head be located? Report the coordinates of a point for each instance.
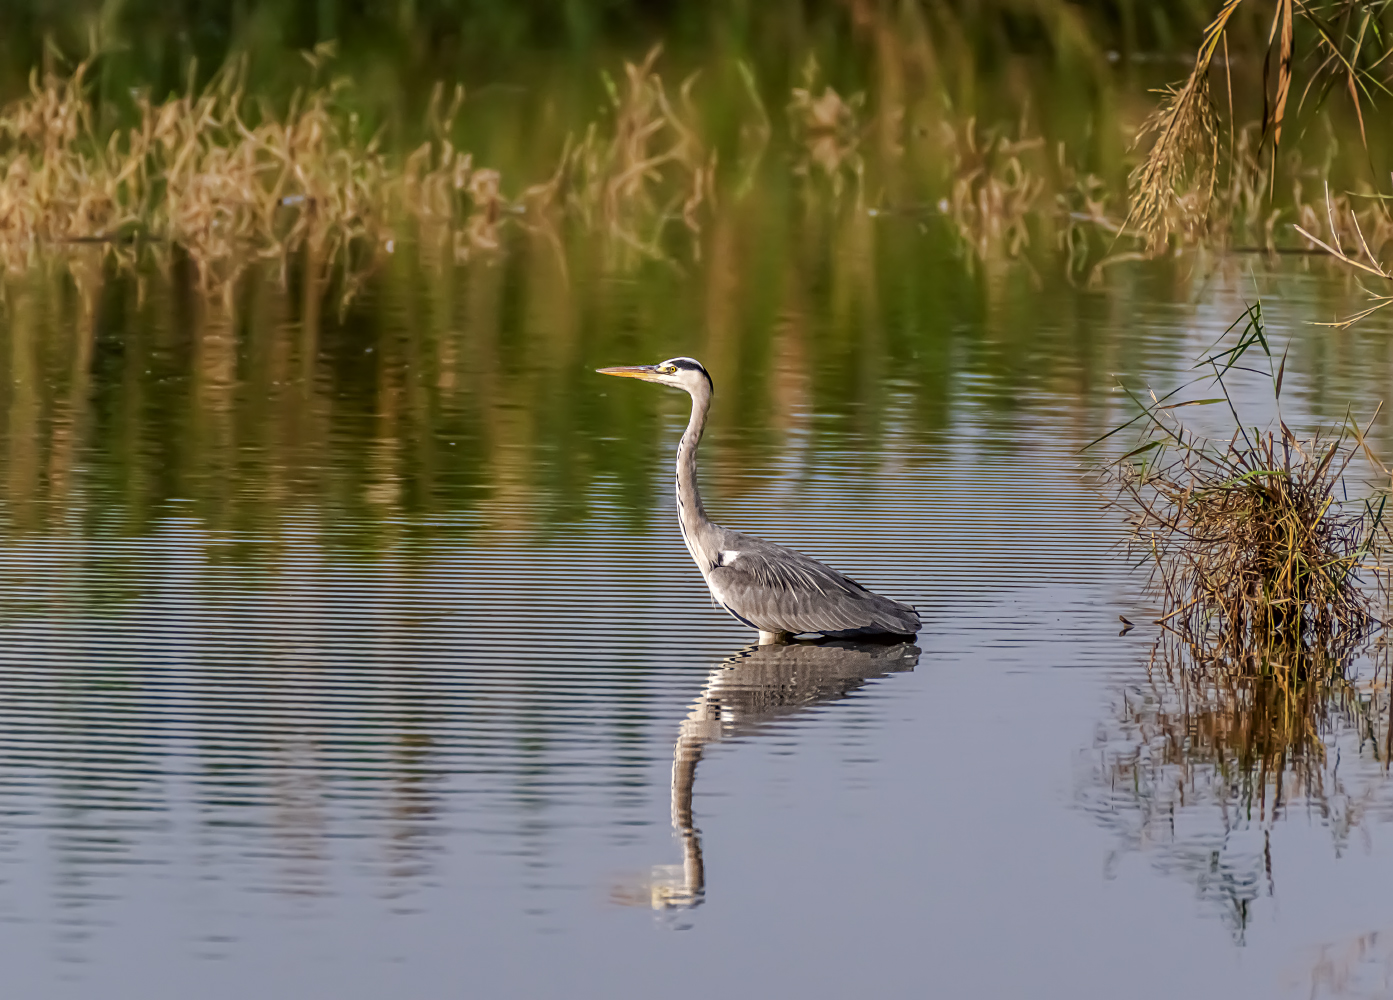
(680, 373)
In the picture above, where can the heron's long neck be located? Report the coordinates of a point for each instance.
(689, 509)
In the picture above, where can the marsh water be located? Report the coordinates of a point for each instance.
(358, 655)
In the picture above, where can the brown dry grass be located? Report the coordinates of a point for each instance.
(190, 173)
(827, 129)
(994, 191)
(1175, 186)
(228, 180)
(638, 175)
(1253, 544)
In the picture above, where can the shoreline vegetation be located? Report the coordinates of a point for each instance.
(224, 175)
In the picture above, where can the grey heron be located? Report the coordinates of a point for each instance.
(768, 587)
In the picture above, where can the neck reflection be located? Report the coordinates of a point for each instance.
(747, 693)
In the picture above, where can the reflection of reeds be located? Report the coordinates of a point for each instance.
(1207, 755)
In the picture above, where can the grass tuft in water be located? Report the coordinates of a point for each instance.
(1254, 545)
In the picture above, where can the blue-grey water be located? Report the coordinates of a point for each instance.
(365, 660)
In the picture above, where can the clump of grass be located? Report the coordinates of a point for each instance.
(994, 191)
(636, 175)
(1253, 543)
(226, 180)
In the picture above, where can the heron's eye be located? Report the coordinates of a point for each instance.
(670, 370)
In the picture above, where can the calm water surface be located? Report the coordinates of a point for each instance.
(360, 656)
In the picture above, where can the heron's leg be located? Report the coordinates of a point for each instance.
(772, 638)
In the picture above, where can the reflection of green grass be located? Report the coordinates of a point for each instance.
(816, 267)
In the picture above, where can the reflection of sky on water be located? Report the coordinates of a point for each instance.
(296, 694)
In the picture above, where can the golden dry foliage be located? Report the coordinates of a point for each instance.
(1174, 187)
(826, 129)
(49, 193)
(1174, 183)
(994, 193)
(230, 181)
(450, 200)
(632, 179)
(1253, 544)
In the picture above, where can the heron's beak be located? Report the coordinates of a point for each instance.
(648, 372)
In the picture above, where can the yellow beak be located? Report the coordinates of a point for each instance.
(631, 371)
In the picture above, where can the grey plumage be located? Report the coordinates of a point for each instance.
(766, 586)
(776, 589)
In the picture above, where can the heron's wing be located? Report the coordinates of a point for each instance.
(779, 590)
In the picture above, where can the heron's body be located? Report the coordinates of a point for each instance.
(766, 586)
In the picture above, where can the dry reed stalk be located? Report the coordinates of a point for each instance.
(1252, 543)
(1346, 229)
(1178, 174)
(1174, 186)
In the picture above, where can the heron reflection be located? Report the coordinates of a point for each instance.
(749, 691)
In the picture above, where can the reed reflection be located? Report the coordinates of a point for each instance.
(465, 392)
(745, 695)
(1203, 762)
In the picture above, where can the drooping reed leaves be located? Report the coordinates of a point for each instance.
(1345, 45)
